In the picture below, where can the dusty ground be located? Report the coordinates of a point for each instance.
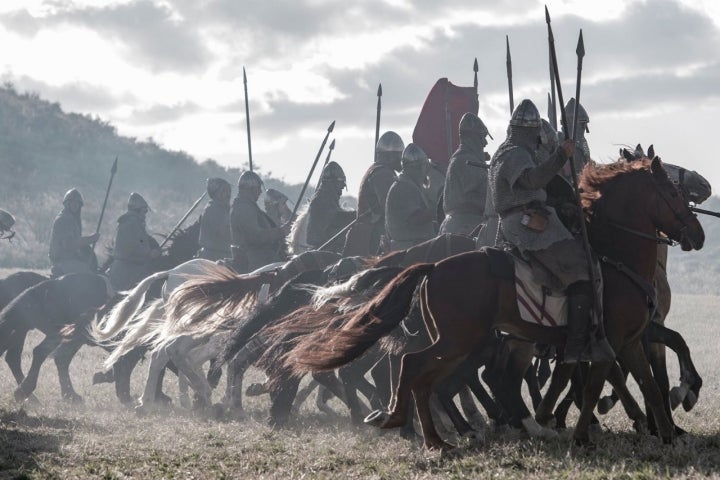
(101, 439)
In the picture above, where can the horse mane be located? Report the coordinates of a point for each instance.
(595, 177)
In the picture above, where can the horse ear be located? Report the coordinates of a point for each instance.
(627, 155)
(639, 152)
(656, 166)
(651, 151)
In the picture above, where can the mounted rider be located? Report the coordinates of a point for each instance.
(582, 150)
(325, 215)
(363, 239)
(134, 248)
(276, 206)
(215, 233)
(256, 240)
(517, 182)
(409, 213)
(70, 251)
(466, 181)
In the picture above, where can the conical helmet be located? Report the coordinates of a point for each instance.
(583, 118)
(413, 156)
(333, 172)
(389, 142)
(137, 202)
(215, 184)
(249, 179)
(471, 123)
(526, 115)
(73, 195)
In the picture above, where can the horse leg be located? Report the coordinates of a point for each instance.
(533, 384)
(351, 377)
(380, 374)
(558, 381)
(491, 408)
(281, 401)
(123, 370)
(158, 360)
(40, 353)
(690, 380)
(13, 356)
(214, 374)
(329, 381)
(637, 363)
(590, 395)
(617, 379)
(179, 351)
(303, 394)
(63, 356)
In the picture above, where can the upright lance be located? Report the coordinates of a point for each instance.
(580, 51)
(508, 67)
(552, 104)
(247, 121)
(377, 119)
(182, 220)
(475, 80)
(113, 171)
(312, 169)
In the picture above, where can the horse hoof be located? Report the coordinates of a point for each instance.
(255, 389)
(595, 428)
(33, 400)
(440, 446)
(583, 441)
(641, 426)
(102, 377)
(679, 432)
(676, 397)
(474, 436)
(20, 395)
(547, 421)
(185, 402)
(141, 410)
(163, 399)
(689, 401)
(604, 405)
(377, 418)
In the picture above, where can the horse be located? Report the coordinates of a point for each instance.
(59, 308)
(638, 197)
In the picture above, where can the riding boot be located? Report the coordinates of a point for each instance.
(582, 345)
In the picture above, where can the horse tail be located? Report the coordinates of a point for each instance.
(118, 318)
(139, 332)
(329, 349)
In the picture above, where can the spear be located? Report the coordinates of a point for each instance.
(475, 81)
(312, 169)
(247, 121)
(377, 119)
(182, 220)
(552, 104)
(113, 171)
(508, 67)
(580, 51)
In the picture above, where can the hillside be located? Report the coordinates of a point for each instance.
(45, 151)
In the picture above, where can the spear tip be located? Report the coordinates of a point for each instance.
(379, 92)
(331, 127)
(113, 170)
(475, 66)
(580, 50)
(244, 76)
(547, 15)
(332, 144)
(507, 48)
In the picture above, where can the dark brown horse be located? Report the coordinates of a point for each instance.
(464, 302)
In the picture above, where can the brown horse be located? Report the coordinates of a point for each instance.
(464, 302)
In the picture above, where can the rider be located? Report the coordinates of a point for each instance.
(325, 215)
(518, 181)
(466, 180)
(276, 206)
(363, 239)
(409, 213)
(215, 221)
(134, 247)
(256, 240)
(582, 155)
(70, 251)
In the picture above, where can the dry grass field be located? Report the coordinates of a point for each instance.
(102, 439)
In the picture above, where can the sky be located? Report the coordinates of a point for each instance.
(171, 70)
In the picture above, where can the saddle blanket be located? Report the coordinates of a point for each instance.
(536, 303)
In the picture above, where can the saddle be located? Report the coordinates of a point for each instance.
(536, 303)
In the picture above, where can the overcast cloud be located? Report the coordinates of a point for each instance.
(172, 70)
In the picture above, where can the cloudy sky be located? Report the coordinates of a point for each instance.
(172, 70)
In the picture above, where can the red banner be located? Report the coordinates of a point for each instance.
(436, 130)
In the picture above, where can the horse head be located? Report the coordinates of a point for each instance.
(644, 198)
